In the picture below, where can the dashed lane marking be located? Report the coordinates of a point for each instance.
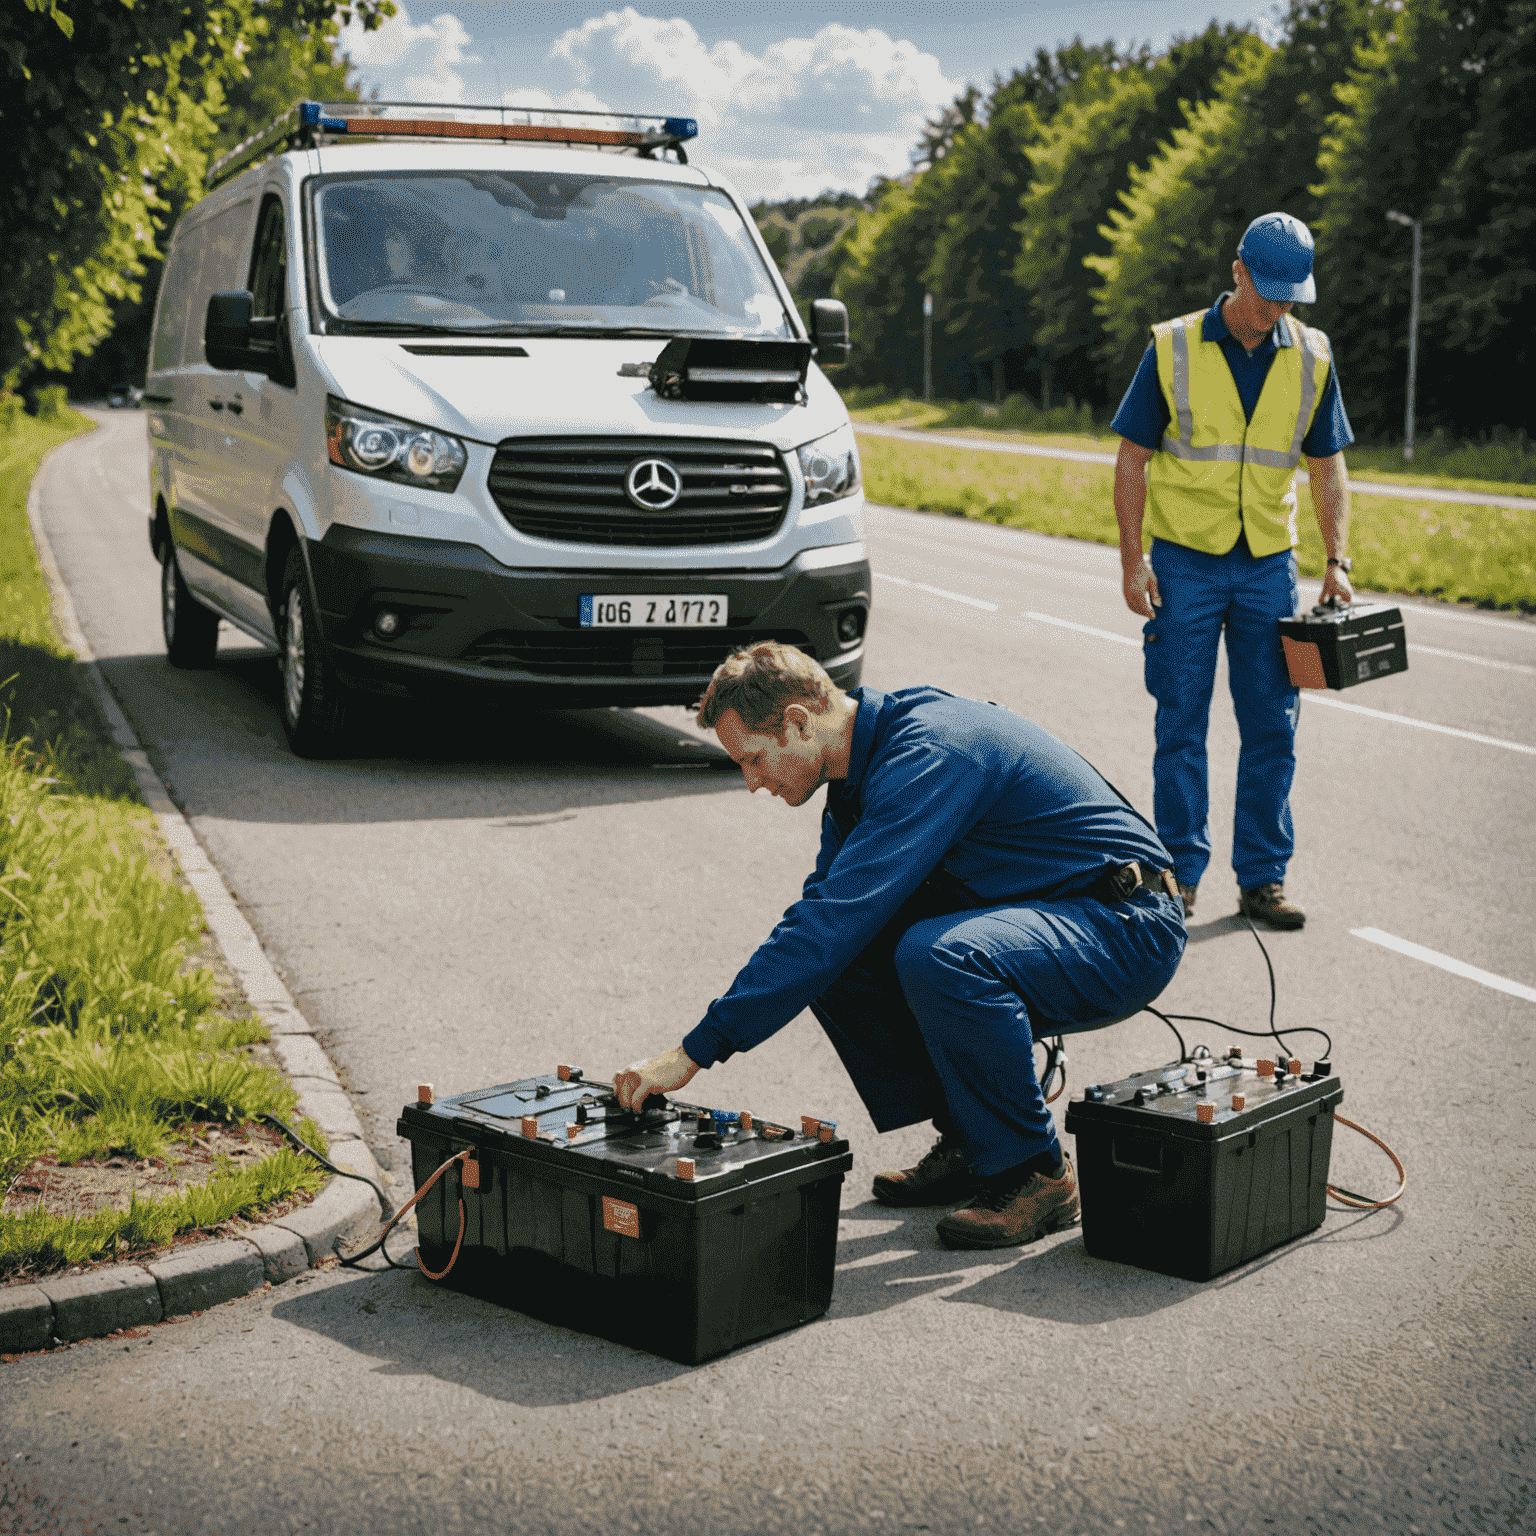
(1424, 725)
(1446, 963)
(957, 597)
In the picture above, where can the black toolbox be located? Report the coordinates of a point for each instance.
(682, 1231)
(1195, 1168)
(1339, 647)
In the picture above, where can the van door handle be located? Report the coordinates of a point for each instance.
(218, 405)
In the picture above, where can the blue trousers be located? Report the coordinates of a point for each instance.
(939, 1015)
(1202, 596)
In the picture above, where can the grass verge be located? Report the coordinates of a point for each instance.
(1504, 465)
(113, 1040)
(1467, 554)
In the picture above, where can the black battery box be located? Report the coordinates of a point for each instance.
(1195, 1168)
(1338, 647)
(682, 1231)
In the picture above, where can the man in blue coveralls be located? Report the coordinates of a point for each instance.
(979, 885)
(1225, 403)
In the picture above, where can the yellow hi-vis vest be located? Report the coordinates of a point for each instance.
(1217, 474)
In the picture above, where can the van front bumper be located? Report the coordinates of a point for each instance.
(465, 619)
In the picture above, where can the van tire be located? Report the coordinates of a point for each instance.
(314, 699)
(191, 631)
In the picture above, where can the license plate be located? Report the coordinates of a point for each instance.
(667, 610)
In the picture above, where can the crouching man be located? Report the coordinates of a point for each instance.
(979, 885)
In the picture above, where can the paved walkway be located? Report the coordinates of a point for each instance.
(1086, 456)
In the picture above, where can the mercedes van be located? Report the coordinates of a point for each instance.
(469, 398)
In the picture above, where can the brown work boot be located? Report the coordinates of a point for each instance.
(1005, 1217)
(943, 1177)
(1187, 896)
(1268, 904)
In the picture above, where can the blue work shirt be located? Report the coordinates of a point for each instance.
(933, 779)
(1143, 415)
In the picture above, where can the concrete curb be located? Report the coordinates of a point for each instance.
(62, 1309)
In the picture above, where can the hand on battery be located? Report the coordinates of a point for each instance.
(1336, 585)
(661, 1074)
(1141, 594)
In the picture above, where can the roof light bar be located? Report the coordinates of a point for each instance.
(307, 122)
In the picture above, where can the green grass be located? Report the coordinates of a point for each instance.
(1481, 555)
(111, 1039)
(1504, 465)
(43, 687)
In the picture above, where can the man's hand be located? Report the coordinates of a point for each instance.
(661, 1074)
(1336, 584)
(1141, 594)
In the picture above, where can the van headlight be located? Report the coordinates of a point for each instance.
(371, 443)
(830, 465)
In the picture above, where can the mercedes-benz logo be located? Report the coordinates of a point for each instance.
(653, 484)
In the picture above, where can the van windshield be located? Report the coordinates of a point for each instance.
(526, 252)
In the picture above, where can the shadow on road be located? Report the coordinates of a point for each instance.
(216, 738)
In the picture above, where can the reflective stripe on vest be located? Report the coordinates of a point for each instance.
(1191, 500)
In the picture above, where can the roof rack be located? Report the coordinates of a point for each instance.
(307, 123)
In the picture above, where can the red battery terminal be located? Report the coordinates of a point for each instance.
(530, 1125)
(573, 1130)
(469, 1176)
(685, 1167)
(568, 1074)
(1293, 1066)
(1239, 1101)
(1265, 1067)
(1205, 1112)
(746, 1122)
(810, 1126)
(424, 1093)
(827, 1129)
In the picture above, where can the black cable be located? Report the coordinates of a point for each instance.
(1168, 1019)
(386, 1209)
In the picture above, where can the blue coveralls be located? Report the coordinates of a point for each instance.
(1245, 596)
(946, 923)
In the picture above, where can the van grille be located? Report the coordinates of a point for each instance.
(619, 653)
(571, 489)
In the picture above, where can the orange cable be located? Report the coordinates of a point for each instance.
(1359, 1202)
(458, 1157)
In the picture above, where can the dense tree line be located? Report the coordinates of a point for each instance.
(113, 109)
(1098, 190)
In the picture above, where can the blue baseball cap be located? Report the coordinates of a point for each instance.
(1277, 250)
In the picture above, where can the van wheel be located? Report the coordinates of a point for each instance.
(191, 631)
(314, 698)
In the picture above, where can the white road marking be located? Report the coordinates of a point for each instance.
(922, 586)
(1479, 661)
(1423, 725)
(1083, 629)
(1446, 963)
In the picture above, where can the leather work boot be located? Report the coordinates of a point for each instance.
(943, 1176)
(1187, 896)
(1008, 1217)
(1268, 904)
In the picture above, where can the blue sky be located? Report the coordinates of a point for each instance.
(792, 97)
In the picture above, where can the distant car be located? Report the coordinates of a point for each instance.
(121, 395)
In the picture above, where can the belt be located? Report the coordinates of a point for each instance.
(1121, 881)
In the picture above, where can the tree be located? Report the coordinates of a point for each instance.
(1435, 123)
(116, 102)
(1250, 149)
(1081, 166)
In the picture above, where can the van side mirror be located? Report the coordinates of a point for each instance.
(227, 331)
(829, 330)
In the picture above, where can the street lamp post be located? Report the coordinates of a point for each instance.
(927, 347)
(1413, 327)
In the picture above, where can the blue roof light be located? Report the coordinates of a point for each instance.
(309, 116)
(682, 127)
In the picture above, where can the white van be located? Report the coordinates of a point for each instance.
(484, 398)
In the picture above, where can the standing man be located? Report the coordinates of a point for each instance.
(979, 885)
(1225, 403)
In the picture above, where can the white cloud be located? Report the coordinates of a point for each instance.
(833, 110)
(410, 63)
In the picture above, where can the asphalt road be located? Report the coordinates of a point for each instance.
(472, 901)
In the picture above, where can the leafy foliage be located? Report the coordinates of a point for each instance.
(118, 102)
(1435, 124)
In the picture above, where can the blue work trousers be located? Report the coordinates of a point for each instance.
(1202, 596)
(939, 1016)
